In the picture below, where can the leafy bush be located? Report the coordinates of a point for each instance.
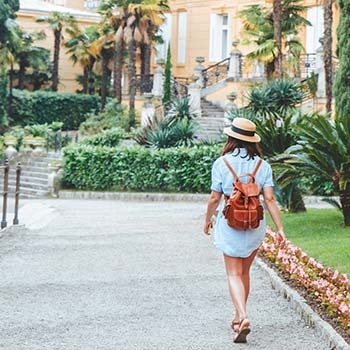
(176, 129)
(42, 107)
(114, 115)
(108, 138)
(184, 169)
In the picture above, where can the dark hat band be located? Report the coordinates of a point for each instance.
(242, 132)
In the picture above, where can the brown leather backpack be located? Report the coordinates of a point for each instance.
(243, 209)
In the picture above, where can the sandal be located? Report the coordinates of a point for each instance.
(243, 331)
(235, 325)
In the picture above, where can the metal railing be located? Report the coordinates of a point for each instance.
(144, 83)
(215, 72)
(6, 168)
(178, 89)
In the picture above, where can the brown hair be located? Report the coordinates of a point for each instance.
(232, 144)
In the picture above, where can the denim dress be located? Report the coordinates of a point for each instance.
(233, 242)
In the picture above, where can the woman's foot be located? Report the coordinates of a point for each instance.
(235, 324)
(243, 331)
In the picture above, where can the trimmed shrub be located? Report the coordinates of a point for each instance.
(108, 138)
(42, 107)
(184, 169)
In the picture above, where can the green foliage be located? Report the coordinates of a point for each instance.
(167, 80)
(139, 169)
(108, 138)
(45, 131)
(278, 97)
(3, 99)
(114, 116)
(42, 107)
(258, 28)
(181, 109)
(314, 185)
(8, 9)
(342, 79)
(171, 133)
(176, 129)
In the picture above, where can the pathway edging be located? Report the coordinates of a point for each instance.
(298, 303)
(310, 201)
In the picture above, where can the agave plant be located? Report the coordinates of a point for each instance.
(323, 149)
(278, 97)
(181, 109)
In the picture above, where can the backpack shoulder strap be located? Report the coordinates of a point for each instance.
(257, 167)
(230, 168)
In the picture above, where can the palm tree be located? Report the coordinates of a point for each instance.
(328, 52)
(57, 21)
(322, 150)
(103, 48)
(258, 29)
(277, 35)
(79, 49)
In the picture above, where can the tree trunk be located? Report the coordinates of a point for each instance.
(344, 197)
(327, 51)
(297, 204)
(118, 69)
(277, 30)
(146, 53)
(104, 81)
(270, 68)
(91, 80)
(56, 58)
(21, 74)
(132, 81)
(85, 80)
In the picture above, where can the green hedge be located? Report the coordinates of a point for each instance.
(185, 169)
(108, 138)
(42, 107)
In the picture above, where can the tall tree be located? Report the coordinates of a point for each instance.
(258, 29)
(342, 80)
(277, 34)
(328, 52)
(79, 50)
(57, 21)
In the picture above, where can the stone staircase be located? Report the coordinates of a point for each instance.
(211, 122)
(34, 175)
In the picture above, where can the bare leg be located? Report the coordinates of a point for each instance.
(234, 271)
(247, 263)
(237, 270)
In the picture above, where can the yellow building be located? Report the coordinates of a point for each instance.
(193, 28)
(30, 10)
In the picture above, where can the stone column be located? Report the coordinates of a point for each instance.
(148, 110)
(198, 71)
(258, 70)
(194, 94)
(230, 106)
(158, 79)
(235, 66)
(321, 81)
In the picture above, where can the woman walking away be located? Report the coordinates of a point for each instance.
(241, 155)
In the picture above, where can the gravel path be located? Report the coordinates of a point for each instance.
(128, 275)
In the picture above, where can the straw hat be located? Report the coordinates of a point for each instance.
(242, 129)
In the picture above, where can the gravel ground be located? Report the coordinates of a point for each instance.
(128, 275)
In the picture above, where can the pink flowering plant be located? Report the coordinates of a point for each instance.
(330, 288)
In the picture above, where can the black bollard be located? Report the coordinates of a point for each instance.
(18, 182)
(5, 193)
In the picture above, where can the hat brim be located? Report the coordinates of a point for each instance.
(228, 131)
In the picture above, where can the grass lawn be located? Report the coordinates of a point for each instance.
(321, 234)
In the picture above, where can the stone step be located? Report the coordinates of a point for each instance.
(28, 191)
(31, 180)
